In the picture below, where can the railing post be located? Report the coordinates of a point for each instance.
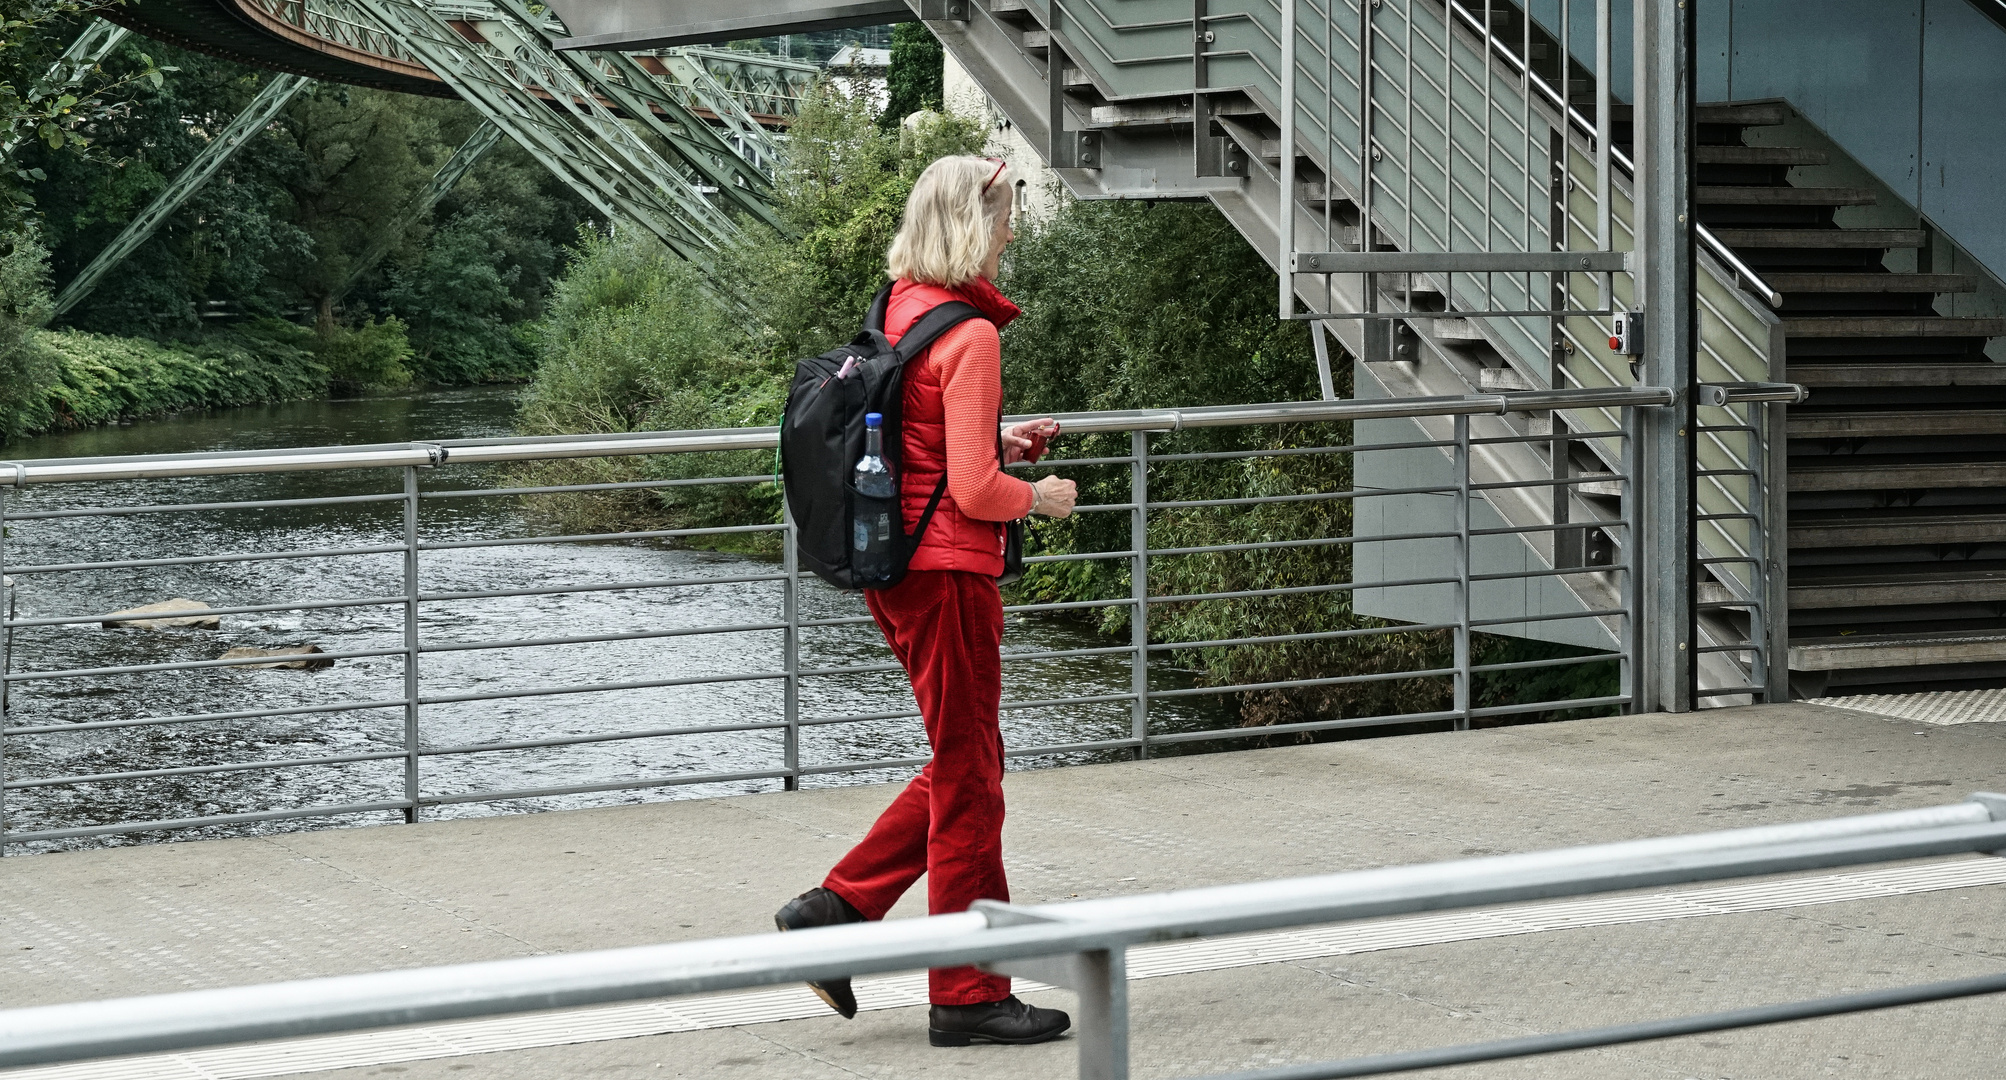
(1462, 511)
(1629, 555)
(1138, 589)
(411, 643)
(790, 647)
(6, 646)
(1285, 219)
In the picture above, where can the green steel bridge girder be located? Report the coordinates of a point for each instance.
(247, 124)
(572, 134)
(445, 180)
(80, 59)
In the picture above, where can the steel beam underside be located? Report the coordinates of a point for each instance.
(633, 25)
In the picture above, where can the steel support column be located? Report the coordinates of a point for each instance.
(1665, 86)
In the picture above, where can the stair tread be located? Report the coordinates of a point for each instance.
(1756, 114)
(1736, 195)
(1865, 529)
(1896, 423)
(1884, 472)
(1820, 238)
(1871, 283)
(1895, 326)
(1896, 650)
(1979, 373)
(1759, 155)
(1981, 571)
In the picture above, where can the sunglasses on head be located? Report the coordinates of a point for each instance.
(1000, 166)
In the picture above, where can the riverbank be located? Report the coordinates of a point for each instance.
(100, 924)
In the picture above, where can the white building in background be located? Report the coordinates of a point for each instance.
(1038, 191)
(862, 72)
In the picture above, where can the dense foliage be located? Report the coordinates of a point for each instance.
(917, 77)
(282, 234)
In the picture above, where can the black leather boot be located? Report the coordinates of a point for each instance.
(1006, 1021)
(820, 907)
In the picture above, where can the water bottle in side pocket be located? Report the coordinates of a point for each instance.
(875, 490)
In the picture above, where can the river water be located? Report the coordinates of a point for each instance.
(73, 727)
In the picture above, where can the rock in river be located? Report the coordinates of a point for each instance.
(168, 614)
(308, 658)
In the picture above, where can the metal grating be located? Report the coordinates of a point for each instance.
(1944, 708)
(904, 991)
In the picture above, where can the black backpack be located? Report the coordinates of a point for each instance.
(822, 436)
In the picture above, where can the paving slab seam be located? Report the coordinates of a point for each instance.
(677, 1015)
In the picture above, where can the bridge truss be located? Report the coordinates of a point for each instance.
(679, 142)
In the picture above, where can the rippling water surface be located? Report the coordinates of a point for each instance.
(474, 745)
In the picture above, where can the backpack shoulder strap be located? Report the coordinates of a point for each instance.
(931, 325)
(874, 317)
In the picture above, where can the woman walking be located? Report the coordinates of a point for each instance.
(944, 621)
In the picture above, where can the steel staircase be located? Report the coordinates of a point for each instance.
(1897, 485)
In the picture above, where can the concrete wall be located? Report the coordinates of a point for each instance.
(1039, 191)
(1916, 89)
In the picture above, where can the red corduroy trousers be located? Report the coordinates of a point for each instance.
(946, 628)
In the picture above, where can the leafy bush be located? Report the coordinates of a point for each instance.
(103, 379)
(372, 356)
(26, 368)
(458, 302)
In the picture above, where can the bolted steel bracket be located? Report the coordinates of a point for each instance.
(944, 10)
(436, 455)
(1098, 976)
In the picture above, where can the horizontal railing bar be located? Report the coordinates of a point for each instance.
(204, 560)
(1731, 691)
(1549, 706)
(1243, 594)
(864, 766)
(201, 770)
(1057, 461)
(1293, 684)
(196, 665)
(607, 785)
(140, 467)
(1405, 314)
(1461, 262)
(567, 489)
(602, 737)
(858, 718)
(605, 586)
(1048, 654)
(1746, 646)
(1359, 448)
(1557, 481)
(590, 639)
(598, 688)
(1281, 545)
(198, 718)
(251, 609)
(83, 1030)
(1589, 523)
(198, 508)
(1565, 436)
(1565, 571)
(1558, 616)
(175, 824)
(1559, 661)
(1314, 496)
(1125, 743)
(1083, 556)
(1277, 639)
(1218, 734)
(653, 534)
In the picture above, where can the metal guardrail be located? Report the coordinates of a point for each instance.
(1081, 946)
(396, 604)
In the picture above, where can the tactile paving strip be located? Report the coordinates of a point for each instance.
(1943, 707)
(902, 991)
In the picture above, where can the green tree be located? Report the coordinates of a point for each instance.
(27, 369)
(917, 76)
(458, 300)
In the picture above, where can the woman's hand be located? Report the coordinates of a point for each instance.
(1055, 497)
(1019, 440)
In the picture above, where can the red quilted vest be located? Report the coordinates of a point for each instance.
(953, 540)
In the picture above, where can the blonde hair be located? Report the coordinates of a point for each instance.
(950, 222)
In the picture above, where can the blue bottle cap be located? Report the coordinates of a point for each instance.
(872, 419)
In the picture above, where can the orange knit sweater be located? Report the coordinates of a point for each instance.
(968, 361)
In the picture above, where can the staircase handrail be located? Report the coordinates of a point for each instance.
(1744, 274)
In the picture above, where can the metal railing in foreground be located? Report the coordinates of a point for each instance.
(1080, 946)
(426, 721)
